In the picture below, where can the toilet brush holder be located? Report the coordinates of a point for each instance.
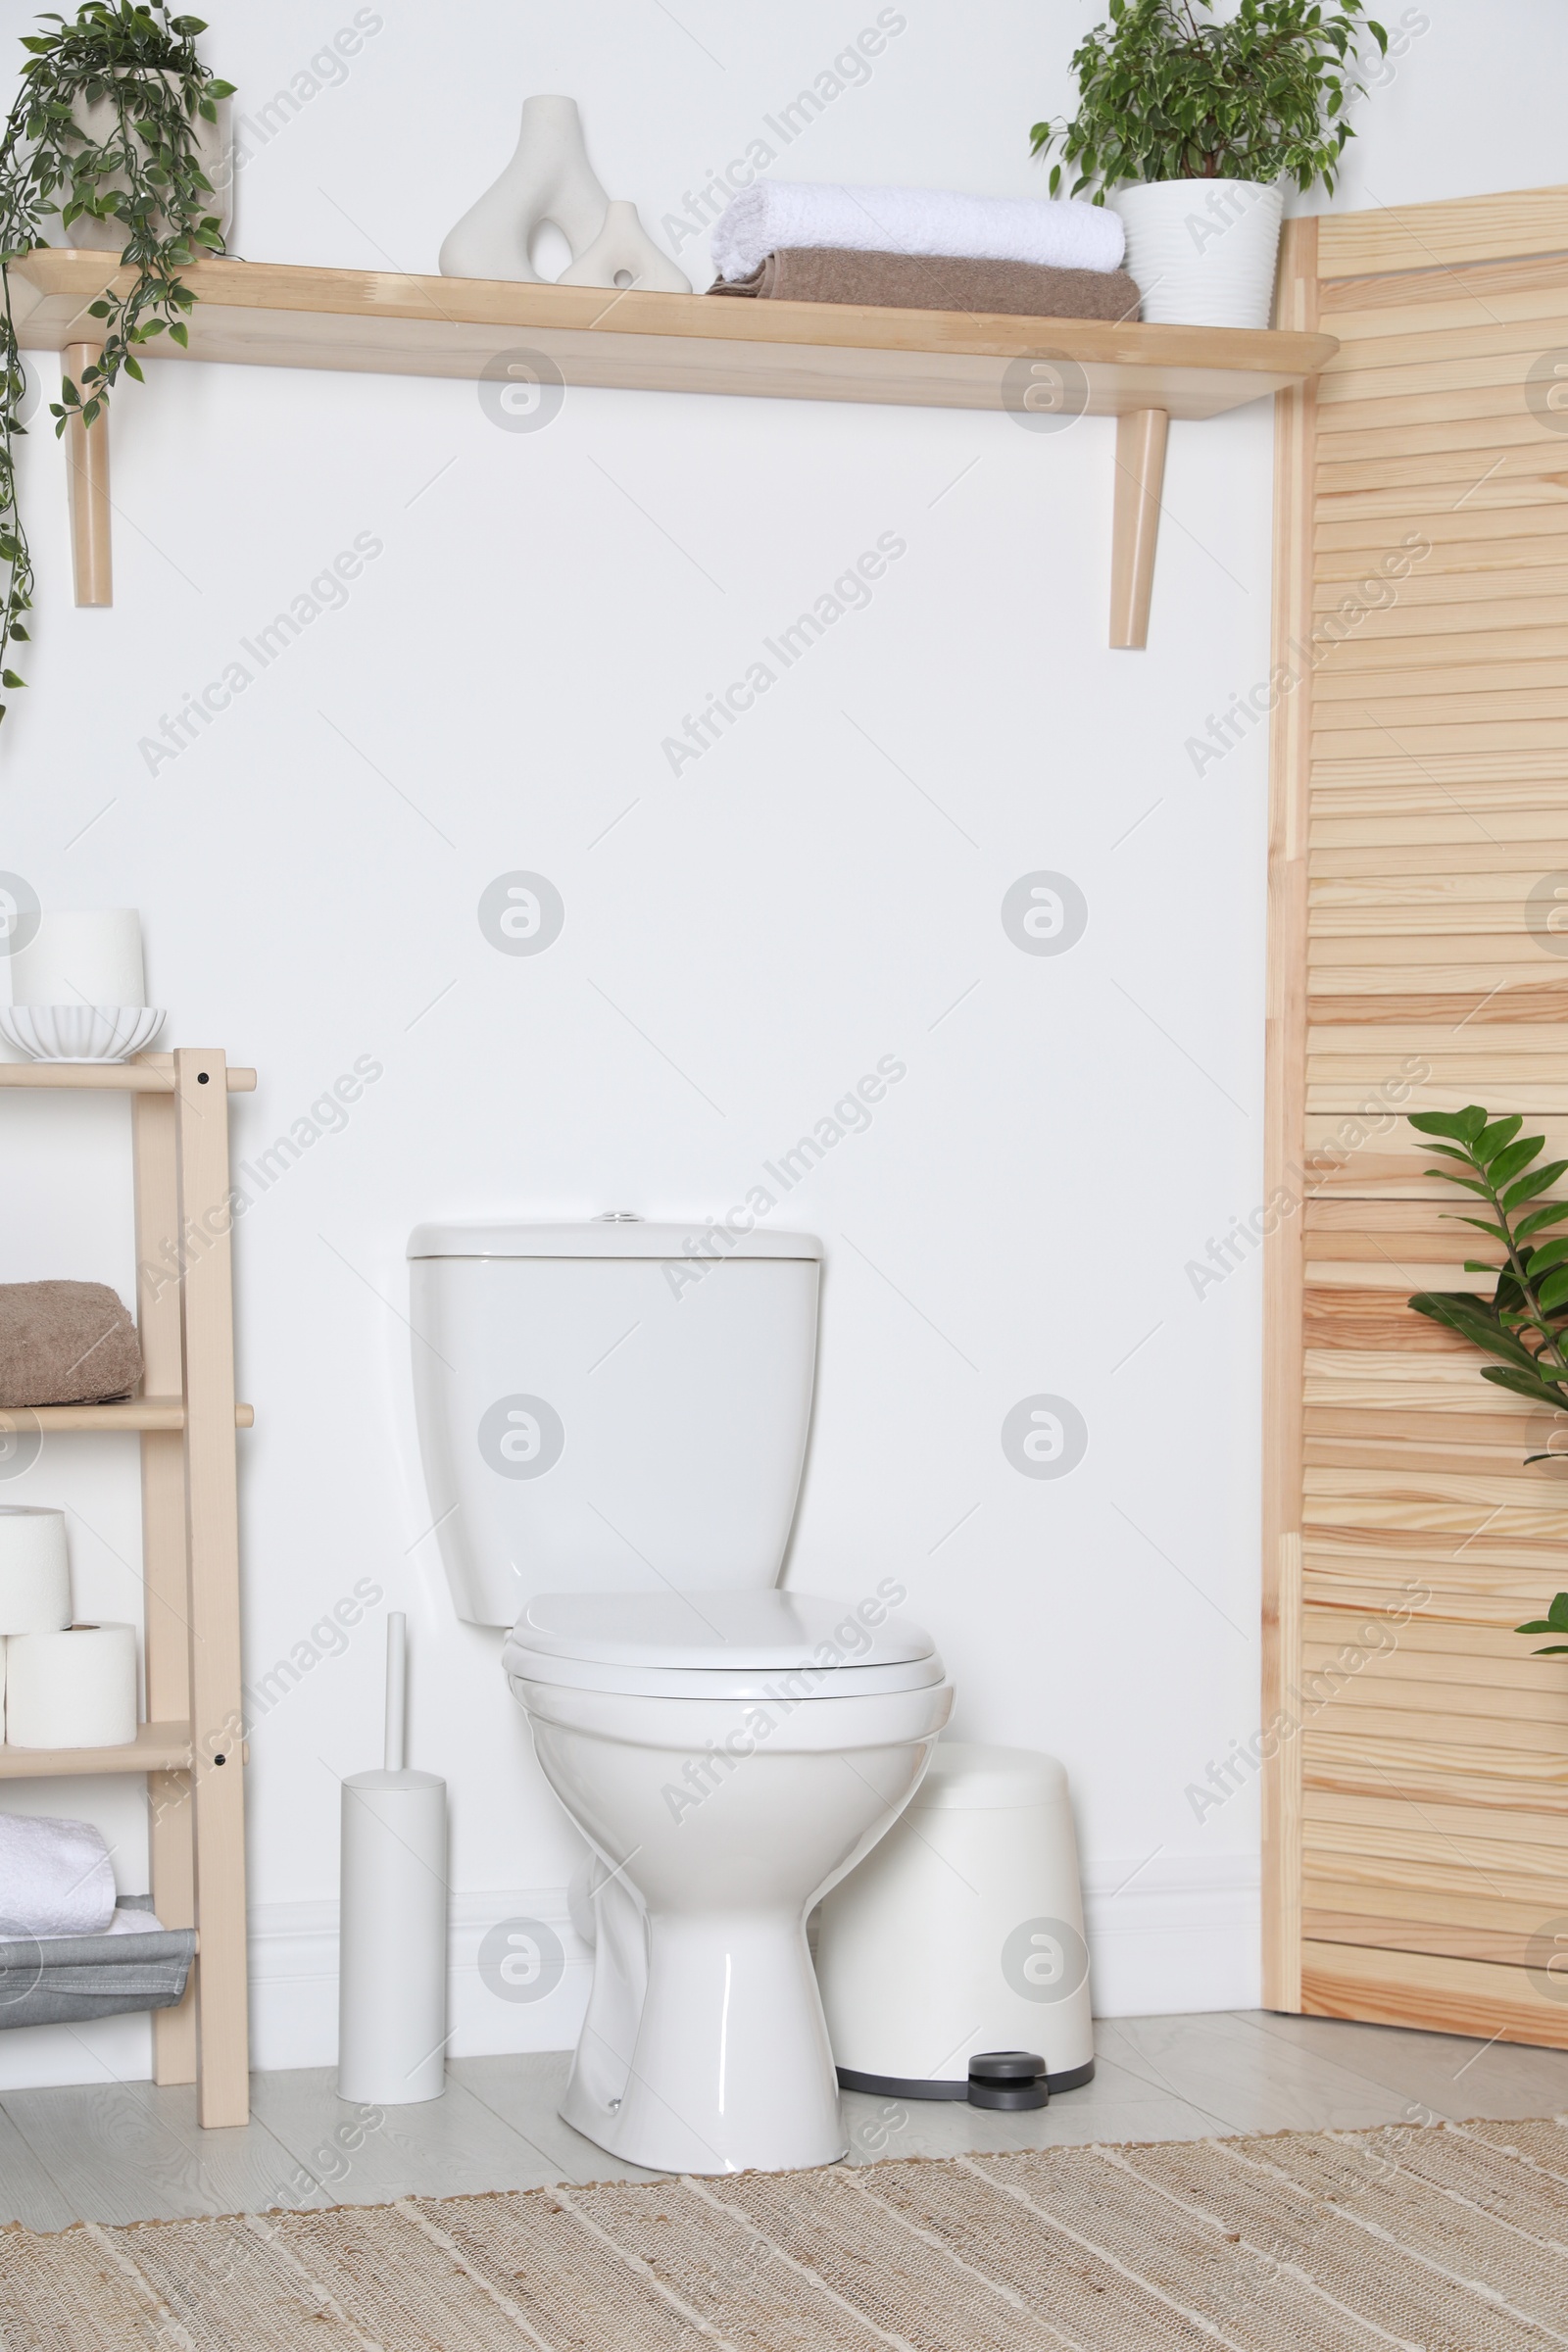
(392, 1946)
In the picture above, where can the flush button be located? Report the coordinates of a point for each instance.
(617, 1216)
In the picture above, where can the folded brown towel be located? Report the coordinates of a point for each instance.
(65, 1342)
(904, 281)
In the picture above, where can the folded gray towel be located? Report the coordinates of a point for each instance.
(904, 281)
(50, 1982)
(65, 1342)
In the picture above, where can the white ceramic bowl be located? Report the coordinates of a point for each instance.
(79, 1032)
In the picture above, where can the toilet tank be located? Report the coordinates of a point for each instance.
(600, 1412)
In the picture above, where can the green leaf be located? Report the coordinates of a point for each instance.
(1533, 1386)
(1441, 1122)
(1553, 1290)
(1540, 1218)
(1491, 1139)
(1540, 1180)
(10, 680)
(1509, 1163)
(1476, 1322)
(179, 333)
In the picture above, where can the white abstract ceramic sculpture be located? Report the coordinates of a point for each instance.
(623, 254)
(549, 178)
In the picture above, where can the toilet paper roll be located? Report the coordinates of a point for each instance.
(35, 1571)
(81, 955)
(76, 1688)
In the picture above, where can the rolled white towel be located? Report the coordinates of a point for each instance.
(1064, 235)
(56, 1878)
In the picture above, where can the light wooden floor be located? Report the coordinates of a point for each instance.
(127, 2152)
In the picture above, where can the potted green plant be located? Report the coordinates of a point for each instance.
(114, 141)
(1525, 1322)
(1169, 99)
(1555, 1621)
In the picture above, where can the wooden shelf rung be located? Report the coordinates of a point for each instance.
(149, 1074)
(133, 1413)
(157, 1747)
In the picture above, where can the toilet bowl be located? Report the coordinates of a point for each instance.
(727, 1750)
(724, 1781)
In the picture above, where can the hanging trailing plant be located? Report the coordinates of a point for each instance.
(103, 130)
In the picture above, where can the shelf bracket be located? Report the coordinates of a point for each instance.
(88, 473)
(1139, 478)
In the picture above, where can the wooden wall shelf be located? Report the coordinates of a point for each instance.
(259, 314)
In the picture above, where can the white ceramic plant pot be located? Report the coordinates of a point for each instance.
(215, 151)
(1203, 251)
(79, 1032)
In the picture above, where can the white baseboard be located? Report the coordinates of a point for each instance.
(1170, 1934)
(294, 1981)
(1175, 1934)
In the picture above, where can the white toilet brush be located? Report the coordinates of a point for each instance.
(392, 1946)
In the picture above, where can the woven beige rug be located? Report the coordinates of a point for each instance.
(1453, 2238)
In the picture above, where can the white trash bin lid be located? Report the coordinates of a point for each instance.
(961, 1778)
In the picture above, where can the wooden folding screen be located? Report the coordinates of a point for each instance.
(1414, 1753)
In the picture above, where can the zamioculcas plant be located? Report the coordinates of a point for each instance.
(104, 128)
(1525, 1323)
(1555, 1621)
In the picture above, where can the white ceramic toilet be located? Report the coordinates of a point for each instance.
(613, 1442)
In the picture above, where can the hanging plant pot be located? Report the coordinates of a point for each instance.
(110, 144)
(1203, 251)
(214, 144)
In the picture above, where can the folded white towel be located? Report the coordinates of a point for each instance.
(56, 1878)
(130, 1922)
(772, 212)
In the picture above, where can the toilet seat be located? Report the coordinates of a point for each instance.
(760, 1645)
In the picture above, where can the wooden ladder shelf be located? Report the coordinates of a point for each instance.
(192, 1749)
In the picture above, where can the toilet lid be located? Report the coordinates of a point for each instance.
(718, 1645)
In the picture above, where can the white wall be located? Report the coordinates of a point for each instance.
(741, 943)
